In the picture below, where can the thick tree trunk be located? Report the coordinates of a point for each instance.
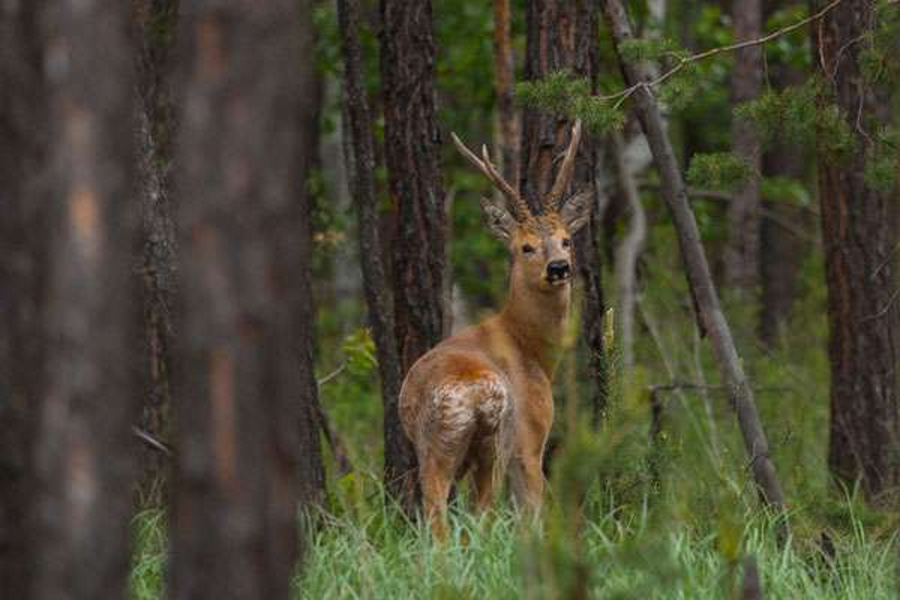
(742, 250)
(84, 451)
(155, 21)
(412, 153)
(706, 299)
(859, 232)
(24, 233)
(563, 36)
(245, 425)
(504, 79)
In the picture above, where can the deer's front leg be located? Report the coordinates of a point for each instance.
(527, 479)
(526, 470)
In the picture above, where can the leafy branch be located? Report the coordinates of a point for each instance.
(622, 95)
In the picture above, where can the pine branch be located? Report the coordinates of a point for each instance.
(623, 95)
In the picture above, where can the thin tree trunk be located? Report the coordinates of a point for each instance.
(24, 233)
(628, 252)
(742, 250)
(504, 79)
(84, 451)
(155, 20)
(360, 158)
(706, 300)
(859, 232)
(245, 422)
(562, 36)
(412, 153)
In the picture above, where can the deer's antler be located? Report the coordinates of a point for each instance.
(514, 201)
(553, 200)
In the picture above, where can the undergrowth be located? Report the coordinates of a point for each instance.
(374, 553)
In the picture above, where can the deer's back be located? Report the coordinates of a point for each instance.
(456, 392)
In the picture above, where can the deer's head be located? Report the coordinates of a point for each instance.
(540, 244)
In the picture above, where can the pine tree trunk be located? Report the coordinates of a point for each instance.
(504, 79)
(84, 451)
(563, 36)
(860, 236)
(24, 234)
(245, 424)
(412, 153)
(155, 20)
(742, 250)
(360, 157)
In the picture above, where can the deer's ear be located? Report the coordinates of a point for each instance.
(576, 211)
(499, 220)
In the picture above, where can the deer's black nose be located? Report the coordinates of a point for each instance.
(558, 269)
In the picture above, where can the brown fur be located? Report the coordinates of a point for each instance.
(502, 368)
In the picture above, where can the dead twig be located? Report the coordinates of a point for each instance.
(151, 441)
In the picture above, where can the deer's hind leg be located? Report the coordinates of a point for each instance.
(484, 474)
(435, 479)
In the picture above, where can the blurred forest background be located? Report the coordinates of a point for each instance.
(229, 228)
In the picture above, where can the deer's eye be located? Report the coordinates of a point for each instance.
(566, 242)
(527, 248)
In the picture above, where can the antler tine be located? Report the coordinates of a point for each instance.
(514, 201)
(566, 169)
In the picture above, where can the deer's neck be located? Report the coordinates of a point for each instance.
(537, 321)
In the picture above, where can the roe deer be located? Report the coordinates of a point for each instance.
(481, 400)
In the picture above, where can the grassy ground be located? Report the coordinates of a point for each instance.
(626, 517)
(378, 556)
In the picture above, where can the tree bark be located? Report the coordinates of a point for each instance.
(245, 424)
(706, 299)
(562, 36)
(859, 232)
(412, 154)
(24, 234)
(157, 250)
(84, 452)
(360, 158)
(504, 80)
(743, 247)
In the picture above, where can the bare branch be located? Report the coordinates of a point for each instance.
(624, 94)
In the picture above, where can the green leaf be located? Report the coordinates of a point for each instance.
(719, 170)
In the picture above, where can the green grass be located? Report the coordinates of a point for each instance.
(375, 554)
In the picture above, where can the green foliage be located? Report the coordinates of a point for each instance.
(884, 159)
(802, 115)
(359, 347)
(560, 93)
(719, 170)
(555, 93)
(881, 45)
(785, 189)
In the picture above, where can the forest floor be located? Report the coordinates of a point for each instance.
(374, 554)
